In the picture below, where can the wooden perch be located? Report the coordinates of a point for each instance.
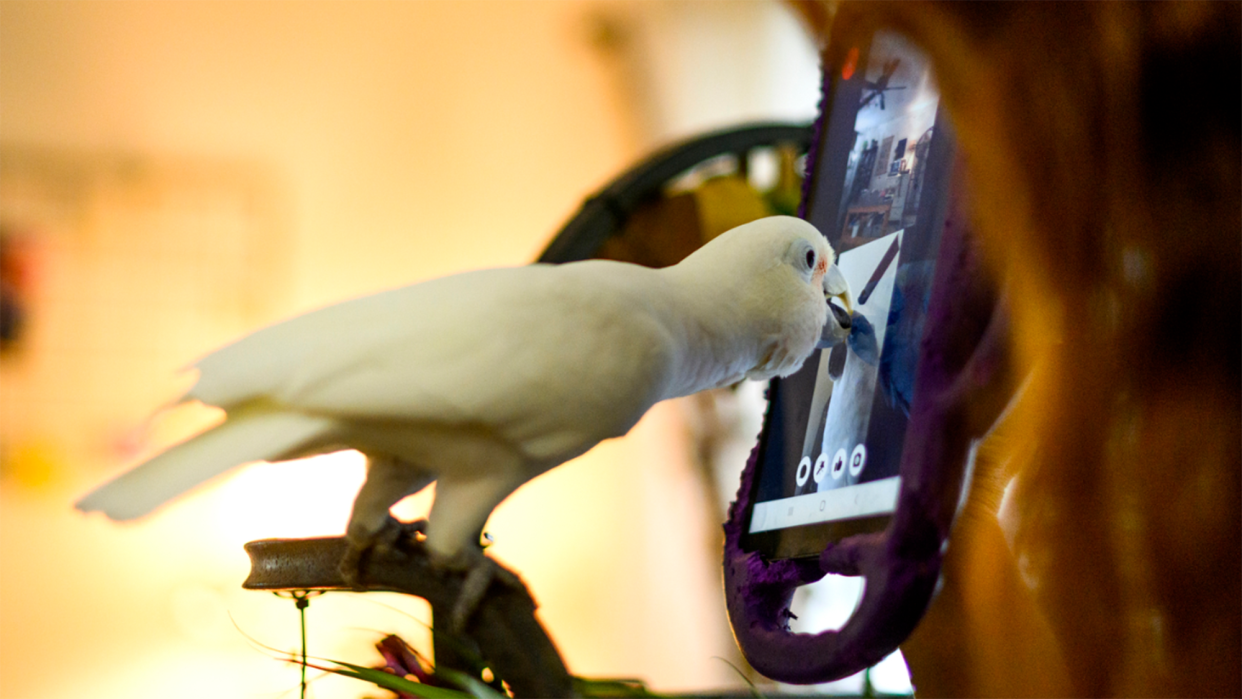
(503, 627)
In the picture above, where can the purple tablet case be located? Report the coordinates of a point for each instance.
(963, 381)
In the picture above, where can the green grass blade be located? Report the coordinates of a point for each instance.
(387, 680)
(754, 691)
(612, 688)
(473, 686)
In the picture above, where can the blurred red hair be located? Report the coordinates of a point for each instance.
(1103, 148)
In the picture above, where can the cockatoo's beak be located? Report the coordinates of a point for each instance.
(835, 286)
(837, 329)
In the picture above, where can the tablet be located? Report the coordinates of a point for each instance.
(833, 436)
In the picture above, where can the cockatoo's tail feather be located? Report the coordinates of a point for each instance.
(254, 434)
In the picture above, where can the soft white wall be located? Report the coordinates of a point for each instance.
(395, 124)
(696, 66)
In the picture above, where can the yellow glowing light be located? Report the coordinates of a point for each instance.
(301, 498)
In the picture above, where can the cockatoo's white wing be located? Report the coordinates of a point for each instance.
(508, 350)
(290, 359)
(483, 380)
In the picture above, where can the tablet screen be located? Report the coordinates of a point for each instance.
(833, 439)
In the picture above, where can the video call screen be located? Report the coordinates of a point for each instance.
(836, 429)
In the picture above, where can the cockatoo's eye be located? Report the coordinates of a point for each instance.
(803, 256)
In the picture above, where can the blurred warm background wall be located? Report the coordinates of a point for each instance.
(173, 174)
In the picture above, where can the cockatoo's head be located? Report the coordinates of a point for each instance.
(793, 296)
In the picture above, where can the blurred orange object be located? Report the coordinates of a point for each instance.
(34, 464)
(1100, 551)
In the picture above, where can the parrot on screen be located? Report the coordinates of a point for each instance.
(483, 380)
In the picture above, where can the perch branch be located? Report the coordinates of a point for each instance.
(504, 627)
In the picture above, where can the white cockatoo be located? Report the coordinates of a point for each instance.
(484, 380)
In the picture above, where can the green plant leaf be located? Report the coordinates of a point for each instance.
(754, 691)
(612, 687)
(473, 686)
(387, 680)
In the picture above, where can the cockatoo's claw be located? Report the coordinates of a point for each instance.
(351, 565)
(410, 530)
(480, 572)
(478, 579)
(386, 539)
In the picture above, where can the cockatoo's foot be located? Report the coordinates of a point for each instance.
(480, 572)
(361, 548)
